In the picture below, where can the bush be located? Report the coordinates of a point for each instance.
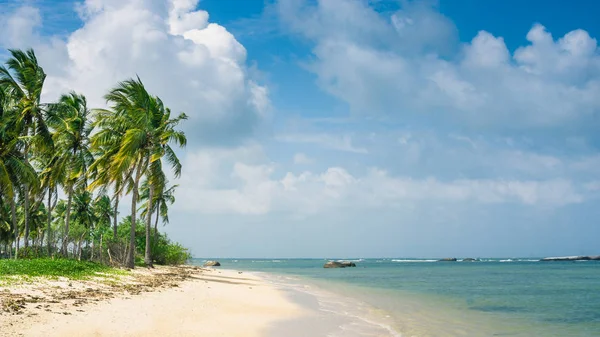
(171, 254)
(32, 252)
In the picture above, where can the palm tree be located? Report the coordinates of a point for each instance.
(51, 175)
(163, 197)
(83, 215)
(23, 80)
(164, 134)
(137, 131)
(70, 120)
(15, 170)
(99, 172)
(124, 134)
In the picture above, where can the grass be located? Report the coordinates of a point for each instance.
(71, 269)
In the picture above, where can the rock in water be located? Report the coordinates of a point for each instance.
(448, 259)
(469, 259)
(570, 258)
(334, 264)
(339, 264)
(212, 264)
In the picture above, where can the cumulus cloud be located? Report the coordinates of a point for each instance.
(19, 28)
(400, 65)
(239, 182)
(194, 65)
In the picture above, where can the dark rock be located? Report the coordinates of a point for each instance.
(347, 263)
(470, 259)
(334, 264)
(212, 264)
(448, 259)
(595, 258)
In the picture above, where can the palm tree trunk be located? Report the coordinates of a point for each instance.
(49, 225)
(155, 242)
(148, 253)
(26, 215)
(131, 252)
(115, 224)
(100, 250)
(68, 218)
(13, 215)
(41, 243)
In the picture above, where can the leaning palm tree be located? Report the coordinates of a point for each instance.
(124, 134)
(164, 133)
(70, 120)
(137, 130)
(23, 80)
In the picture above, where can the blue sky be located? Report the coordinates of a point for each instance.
(354, 128)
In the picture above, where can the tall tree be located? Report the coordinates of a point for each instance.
(70, 120)
(163, 135)
(138, 129)
(15, 170)
(163, 197)
(23, 80)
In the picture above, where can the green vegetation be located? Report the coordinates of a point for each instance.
(95, 157)
(69, 268)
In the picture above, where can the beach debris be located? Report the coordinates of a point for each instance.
(212, 264)
(13, 305)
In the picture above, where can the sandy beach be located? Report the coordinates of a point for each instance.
(166, 301)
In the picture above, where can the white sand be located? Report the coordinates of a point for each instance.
(214, 303)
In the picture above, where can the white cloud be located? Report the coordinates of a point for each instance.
(394, 65)
(19, 28)
(329, 141)
(195, 66)
(230, 183)
(302, 159)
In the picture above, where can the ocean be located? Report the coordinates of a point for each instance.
(422, 297)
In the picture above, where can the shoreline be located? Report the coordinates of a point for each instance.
(328, 313)
(186, 301)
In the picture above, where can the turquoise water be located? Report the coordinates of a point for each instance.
(495, 297)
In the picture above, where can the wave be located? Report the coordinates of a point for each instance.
(414, 260)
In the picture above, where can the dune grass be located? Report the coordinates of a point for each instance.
(68, 268)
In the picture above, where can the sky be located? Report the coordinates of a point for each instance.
(353, 128)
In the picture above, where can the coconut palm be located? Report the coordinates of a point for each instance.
(99, 172)
(15, 170)
(163, 197)
(84, 216)
(70, 120)
(23, 81)
(164, 134)
(137, 131)
(125, 134)
(51, 175)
